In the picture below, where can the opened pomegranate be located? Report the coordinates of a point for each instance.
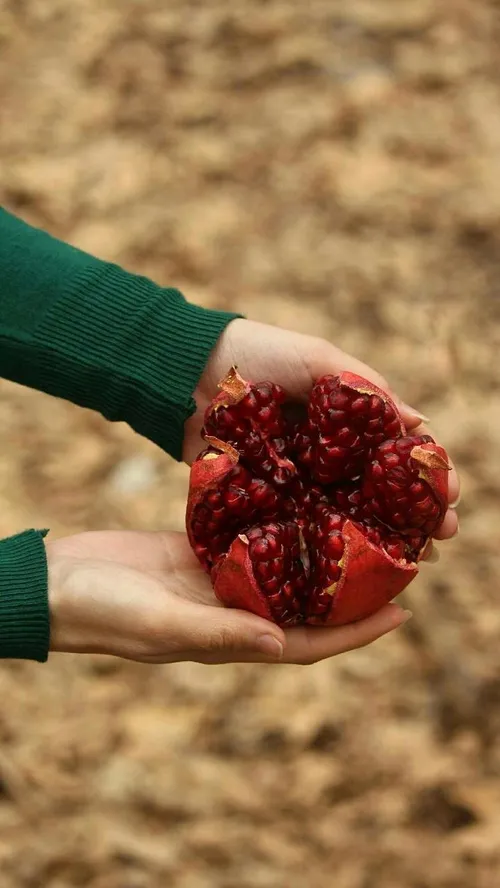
(318, 521)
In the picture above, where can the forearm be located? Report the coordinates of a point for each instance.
(90, 332)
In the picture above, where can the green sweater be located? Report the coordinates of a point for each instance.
(92, 333)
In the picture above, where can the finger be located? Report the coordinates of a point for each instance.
(309, 644)
(431, 554)
(411, 417)
(229, 635)
(453, 486)
(449, 527)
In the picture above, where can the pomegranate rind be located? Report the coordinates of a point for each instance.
(221, 446)
(370, 579)
(434, 468)
(233, 389)
(234, 582)
(206, 474)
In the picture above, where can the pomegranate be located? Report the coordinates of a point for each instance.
(319, 521)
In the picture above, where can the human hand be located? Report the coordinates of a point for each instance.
(294, 361)
(143, 596)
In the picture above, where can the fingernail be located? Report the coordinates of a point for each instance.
(270, 646)
(455, 503)
(433, 557)
(426, 550)
(416, 413)
(407, 615)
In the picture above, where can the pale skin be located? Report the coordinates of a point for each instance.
(143, 596)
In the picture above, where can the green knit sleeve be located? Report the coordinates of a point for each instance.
(24, 609)
(90, 332)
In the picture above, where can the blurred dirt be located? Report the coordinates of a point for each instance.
(333, 167)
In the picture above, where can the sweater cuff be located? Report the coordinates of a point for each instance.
(24, 608)
(145, 349)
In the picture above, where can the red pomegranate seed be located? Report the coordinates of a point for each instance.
(395, 493)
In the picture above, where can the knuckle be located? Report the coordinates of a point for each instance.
(223, 638)
(307, 660)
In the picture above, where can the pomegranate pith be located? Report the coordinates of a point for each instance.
(321, 523)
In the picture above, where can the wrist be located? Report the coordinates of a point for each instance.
(223, 356)
(73, 626)
(92, 610)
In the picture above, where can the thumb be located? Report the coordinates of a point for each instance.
(228, 635)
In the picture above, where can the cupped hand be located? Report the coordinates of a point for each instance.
(143, 596)
(294, 361)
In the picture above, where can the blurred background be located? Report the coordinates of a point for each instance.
(333, 167)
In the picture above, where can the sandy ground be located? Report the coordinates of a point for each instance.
(333, 167)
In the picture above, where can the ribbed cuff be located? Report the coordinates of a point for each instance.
(24, 608)
(122, 345)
